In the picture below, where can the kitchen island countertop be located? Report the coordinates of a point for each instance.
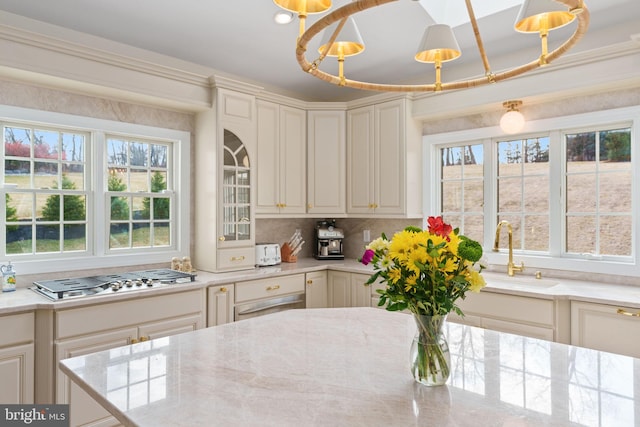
(350, 367)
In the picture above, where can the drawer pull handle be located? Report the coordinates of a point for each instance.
(237, 258)
(627, 313)
(273, 288)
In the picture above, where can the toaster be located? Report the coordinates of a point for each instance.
(267, 254)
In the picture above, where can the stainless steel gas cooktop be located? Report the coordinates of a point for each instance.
(60, 289)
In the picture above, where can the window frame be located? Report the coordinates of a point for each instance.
(98, 254)
(556, 129)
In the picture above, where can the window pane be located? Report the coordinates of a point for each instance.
(19, 239)
(46, 144)
(47, 238)
(74, 208)
(504, 235)
(244, 232)
(19, 207)
(452, 196)
(161, 208)
(75, 237)
(119, 236)
(473, 227)
(141, 235)
(117, 152)
(17, 142)
(17, 172)
(509, 158)
(243, 177)
(46, 175)
(158, 182)
(536, 194)
(581, 193)
(615, 235)
(616, 146)
(158, 156)
(138, 180)
(138, 153)
(473, 161)
(581, 152)
(115, 182)
(75, 174)
(73, 146)
(473, 195)
(581, 234)
(536, 232)
(141, 208)
(451, 163)
(119, 208)
(510, 195)
(615, 192)
(161, 234)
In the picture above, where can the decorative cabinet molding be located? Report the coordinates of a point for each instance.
(281, 159)
(384, 161)
(326, 163)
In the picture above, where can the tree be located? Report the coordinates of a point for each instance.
(74, 209)
(11, 214)
(618, 146)
(119, 205)
(161, 206)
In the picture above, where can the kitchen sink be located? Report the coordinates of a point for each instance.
(502, 280)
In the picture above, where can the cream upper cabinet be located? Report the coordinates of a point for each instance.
(605, 327)
(281, 164)
(326, 162)
(384, 175)
(225, 177)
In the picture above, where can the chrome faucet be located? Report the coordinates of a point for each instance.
(511, 268)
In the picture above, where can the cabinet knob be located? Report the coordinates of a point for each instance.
(273, 288)
(221, 238)
(143, 338)
(309, 282)
(309, 206)
(237, 258)
(223, 289)
(627, 313)
(133, 340)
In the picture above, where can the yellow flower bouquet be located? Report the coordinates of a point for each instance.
(426, 272)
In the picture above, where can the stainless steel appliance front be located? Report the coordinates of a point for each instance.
(267, 306)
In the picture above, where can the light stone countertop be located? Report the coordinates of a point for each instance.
(25, 299)
(350, 367)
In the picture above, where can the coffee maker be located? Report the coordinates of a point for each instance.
(328, 240)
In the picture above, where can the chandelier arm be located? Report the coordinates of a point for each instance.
(358, 6)
(476, 32)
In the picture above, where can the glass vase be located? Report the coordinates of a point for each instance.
(430, 358)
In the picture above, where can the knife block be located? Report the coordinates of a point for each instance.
(285, 253)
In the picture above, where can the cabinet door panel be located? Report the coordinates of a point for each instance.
(317, 292)
(293, 160)
(17, 373)
(360, 292)
(220, 305)
(601, 327)
(360, 160)
(389, 166)
(326, 164)
(268, 158)
(339, 289)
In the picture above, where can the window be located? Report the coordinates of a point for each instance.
(86, 193)
(46, 206)
(140, 210)
(566, 188)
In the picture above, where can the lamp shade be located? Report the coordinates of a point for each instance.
(512, 122)
(304, 6)
(348, 43)
(536, 15)
(438, 44)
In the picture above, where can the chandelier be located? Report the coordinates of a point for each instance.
(342, 39)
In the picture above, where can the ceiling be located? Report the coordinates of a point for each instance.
(239, 38)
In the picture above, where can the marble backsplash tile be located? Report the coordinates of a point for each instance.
(279, 231)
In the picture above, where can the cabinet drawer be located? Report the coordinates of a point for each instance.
(16, 329)
(236, 258)
(257, 289)
(110, 316)
(509, 307)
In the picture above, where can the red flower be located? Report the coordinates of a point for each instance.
(438, 227)
(368, 256)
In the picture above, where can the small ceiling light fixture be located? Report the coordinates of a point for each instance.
(438, 44)
(512, 121)
(340, 40)
(282, 17)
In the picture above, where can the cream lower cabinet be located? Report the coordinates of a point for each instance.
(532, 317)
(220, 305)
(316, 289)
(348, 289)
(605, 327)
(17, 356)
(108, 326)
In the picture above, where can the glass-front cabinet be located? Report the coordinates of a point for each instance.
(236, 192)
